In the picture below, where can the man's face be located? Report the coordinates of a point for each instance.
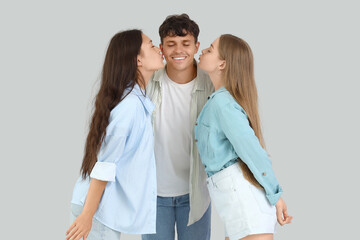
(179, 51)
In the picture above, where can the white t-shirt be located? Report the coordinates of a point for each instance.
(173, 135)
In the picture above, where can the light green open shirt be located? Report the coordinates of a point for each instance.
(199, 195)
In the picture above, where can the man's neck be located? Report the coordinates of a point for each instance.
(183, 76)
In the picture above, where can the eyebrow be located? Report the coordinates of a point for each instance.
(211, 46)
(150, 41)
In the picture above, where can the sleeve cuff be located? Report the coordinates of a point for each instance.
(104, 171)
(274, 198)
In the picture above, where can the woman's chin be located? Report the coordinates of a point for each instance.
(201, 66)
(161, 65)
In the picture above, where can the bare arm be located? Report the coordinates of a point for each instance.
(82, 225)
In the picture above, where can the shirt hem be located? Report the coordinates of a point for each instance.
(173, 194)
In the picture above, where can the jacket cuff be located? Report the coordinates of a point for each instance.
(274, 198)
(104, 171)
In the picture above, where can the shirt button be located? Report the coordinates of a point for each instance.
(264, 173)
(195, 140)
(196, 123)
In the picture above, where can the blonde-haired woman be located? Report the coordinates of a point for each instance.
(241, 182)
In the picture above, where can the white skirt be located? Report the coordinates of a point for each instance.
(242, 207)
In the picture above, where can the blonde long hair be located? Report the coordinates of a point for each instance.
(239, 80)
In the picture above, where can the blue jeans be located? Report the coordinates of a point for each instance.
(175, 210)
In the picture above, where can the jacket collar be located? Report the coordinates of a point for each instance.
(220, 90)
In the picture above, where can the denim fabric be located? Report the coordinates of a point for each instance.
(223, 133)
(242, 207)
(98, 230)
(173, 211)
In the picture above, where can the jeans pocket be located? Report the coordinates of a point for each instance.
(261, 200)
(225, 200)
(225, 184)
(223, 192)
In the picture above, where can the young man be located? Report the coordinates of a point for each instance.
(179, 91)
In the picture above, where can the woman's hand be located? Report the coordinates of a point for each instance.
(281, 213)
(80, 228)
(82, 225)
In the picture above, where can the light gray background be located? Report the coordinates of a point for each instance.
(307, 73)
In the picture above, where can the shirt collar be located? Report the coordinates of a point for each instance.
(220, 90)
(199, 85)
(149, 106)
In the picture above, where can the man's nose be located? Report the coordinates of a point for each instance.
(178, 48)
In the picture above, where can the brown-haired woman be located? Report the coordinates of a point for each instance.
(118, 169)
(241, 183)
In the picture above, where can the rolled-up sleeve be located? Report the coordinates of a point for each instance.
(235, 125)
(104, 171)
(110, 152)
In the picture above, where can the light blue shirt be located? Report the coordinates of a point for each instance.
(126, 160)
(223, 134)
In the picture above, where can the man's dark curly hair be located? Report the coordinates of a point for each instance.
(178, 25)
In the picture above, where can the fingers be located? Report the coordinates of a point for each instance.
(77, 231)
(281, 213)
(79, 228)
(287, 219)
(75, 235)
(283, 217)
(71, 232)
(279, 216)
(85, 236)
(70, 228)
(285, 213)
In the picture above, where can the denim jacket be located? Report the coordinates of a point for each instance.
(223, 133)
(199, 195)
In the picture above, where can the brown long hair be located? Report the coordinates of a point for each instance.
(240, 82)
(119, 73)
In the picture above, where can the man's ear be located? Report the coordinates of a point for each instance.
(197, 45)
(222, 65)
(161, 48)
